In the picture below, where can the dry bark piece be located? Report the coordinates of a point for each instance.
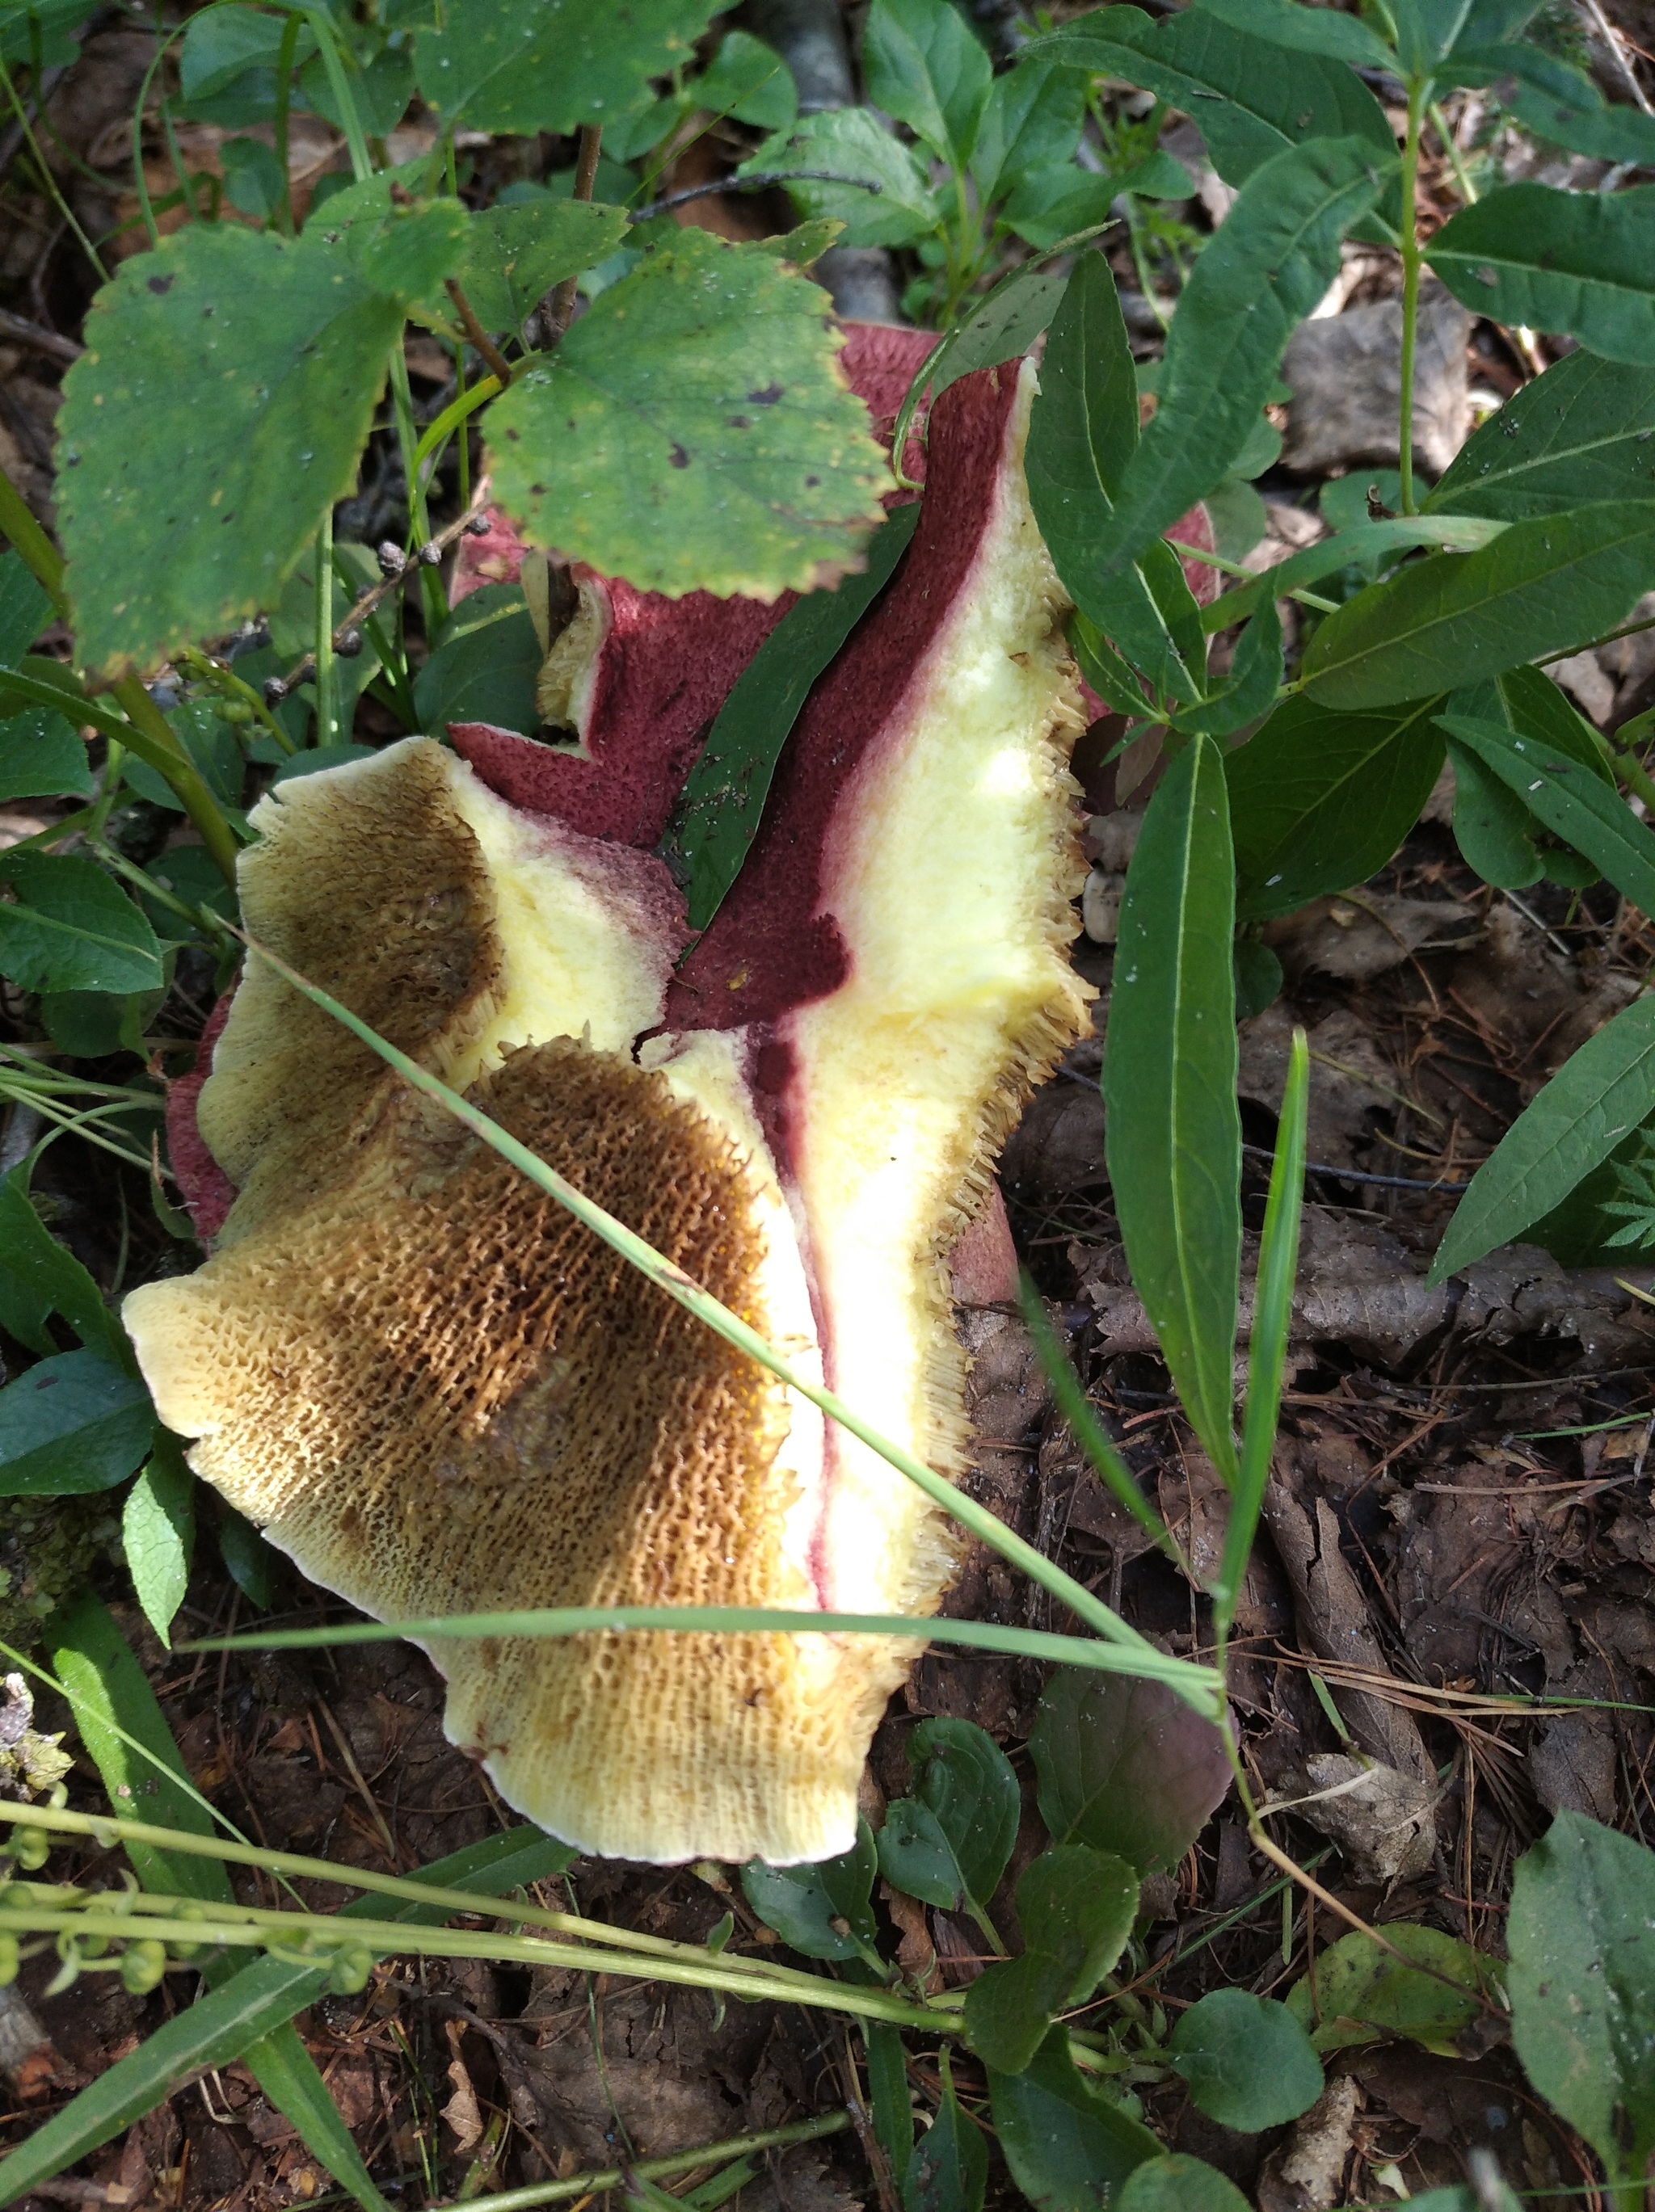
(1346, 370)
(399, 1342)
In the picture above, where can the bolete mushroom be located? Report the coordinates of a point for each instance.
(439, 1393)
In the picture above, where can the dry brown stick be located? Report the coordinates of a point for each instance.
(558, 306)
(480, 342)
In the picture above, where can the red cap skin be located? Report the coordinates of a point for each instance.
(208, 1191)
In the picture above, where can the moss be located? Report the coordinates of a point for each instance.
(47, 1547)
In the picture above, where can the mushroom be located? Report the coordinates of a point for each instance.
(437, 1392)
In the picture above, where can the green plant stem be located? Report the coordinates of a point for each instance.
(1418, 94)
(224, 679)
(660, 2169)
(325, 675)
(1467, 190)
(284, 55)
(145, 730)
(47, 179)
(1226, 567)
(689, 1294)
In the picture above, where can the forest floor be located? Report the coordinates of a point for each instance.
(1461, 1509)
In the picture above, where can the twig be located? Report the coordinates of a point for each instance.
(1358, 1175)
(480, 342)
(1612, 39)
(760, 182)
(557, 308)
(23, 332)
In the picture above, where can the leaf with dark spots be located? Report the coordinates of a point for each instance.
(161, 284)
(767, 397)
(679, 458)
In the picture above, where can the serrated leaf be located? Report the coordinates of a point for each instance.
(1180, 2184)
(68, 926)
(1068, 2149)
(692, 432)
(1033, 118)
(1248, 2063)
(1580, 261)
(1251, 100)
(722, 803)
(530, 65)
(1173, 1131)
(1581, 1935)
(1579, 807)
(41, 756)
(1359, 1992)
(1319, 801)
(1540, 586)
(948, 2168)
(72, 1425)
(158, 1533)
(39, 1276)
(1583, 432)
(1125, 1767)
(1265, 268)
(803, 1903)
(282, 345)
(1075, 1907)
(922, 64)
(890, 201)
(1305, 30)
(1603, 1091)
(515, 253)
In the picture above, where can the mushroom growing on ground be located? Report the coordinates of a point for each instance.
(438, 1393)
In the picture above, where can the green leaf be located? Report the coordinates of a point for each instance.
(803, 1903)
(1248, 2061)
(1365, 544)
(226, 64)
(1558, 103)
(1251, 100)
(516, 253)
(922, 64)
(719, 810)
(1601, 1094)
(1540, 586)
(249, 1559)
(253, 176)
(531, 65)
(1253, 680)
(39, 1276)
(1075, 1907)
(24, 608)
(948, 2168)
(1359, 1993)
(1033, 119)
(282, 346)
(692, 431)
(888, 2093)
(210, 744)
(1493, 827)
(1305, 30)
(158, 1532)
(1319, 801)
(1583, 432)
(1582, 1940)
(72, 1423)
(1173, 1128)
(1580, 261)
(1582, 809)
(69, 927)
(1267, 265)
(1068, 2149)
(379, 89)
(899, 209)
(1180, 2184)
(750, 81)
(1004, 323)
(965, 1781)
(1126, 1768)
(486, 668)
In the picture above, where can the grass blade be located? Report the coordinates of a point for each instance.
(1278, 1267)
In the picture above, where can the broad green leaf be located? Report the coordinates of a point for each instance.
(1559, 103)
(801, 1903)
(1269, 262)
(1250, 690)
(381, 89)
(68, 926)
(39, 1276)
(72, 1423)
(249, 1561)
(1359, 1993)
(531, 65)
(24, 608)
(486, 666)
(1000, 326)
(1603, 1091)
(1540, 586)
(282, 345)
(1322, 31)
(1075, 1907)
(720, 809)
(516, 253)
(1581, 1936)
(1319, 801)
(965, 1781)
(1125, 1768)
(1493, 827)
(158, 1533)
(1426, 29)
(888, 2093)
(1577, 806)
(50, 22)
(1033, 118)
(892, 202)
(1248, 2061)
(1580, 261)
(1363, 543)
(693, 432)
(226, 64)
(1583, 432)
(1068, 2149)
(1173, 1129)
(1053, 204)
(750, 81)
(246, 2009)
(1252, 100)
(253, 178)
(1180, 2184)
(1108, 674)
(922, 64)
(210, 744)
(948, 2168)
(109, 1692)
